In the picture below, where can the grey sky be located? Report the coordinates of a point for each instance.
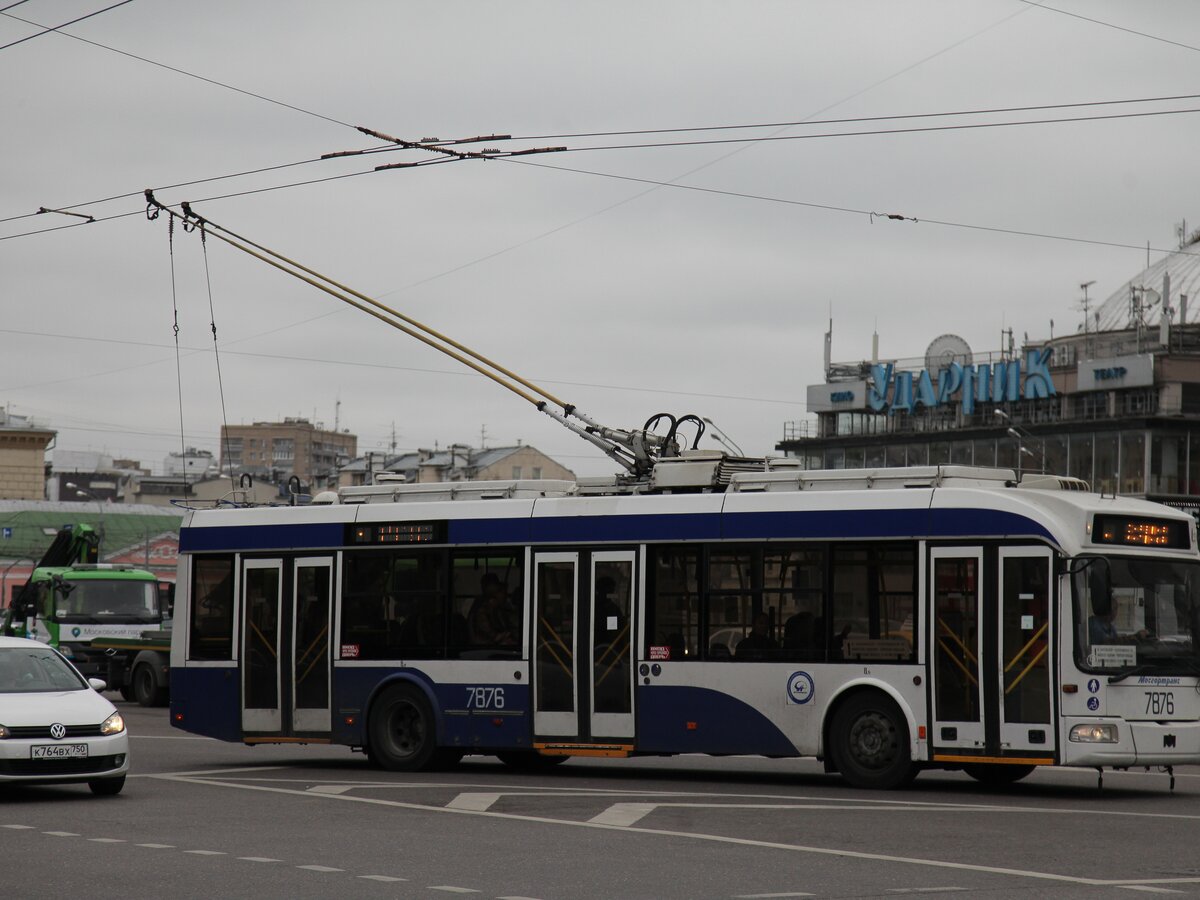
(678, 300)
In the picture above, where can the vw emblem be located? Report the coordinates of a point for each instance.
(58, 731)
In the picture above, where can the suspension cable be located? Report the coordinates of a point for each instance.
(216, 353)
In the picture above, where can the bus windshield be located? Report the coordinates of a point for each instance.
(1136, 613)
(93, 601)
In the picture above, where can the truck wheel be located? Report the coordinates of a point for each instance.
(145, 687)
(401, 730)
(870, 742)
(127, 692)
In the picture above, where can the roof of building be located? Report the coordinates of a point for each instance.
(1184, 268)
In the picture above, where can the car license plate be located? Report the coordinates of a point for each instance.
(59, 751)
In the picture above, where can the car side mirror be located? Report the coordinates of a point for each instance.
(97, 684)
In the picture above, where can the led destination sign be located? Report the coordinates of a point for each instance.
(1140, 532)
(399, 533)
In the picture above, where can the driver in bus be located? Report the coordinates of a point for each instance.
(1101, 628)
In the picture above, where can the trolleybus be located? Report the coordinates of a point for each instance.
(883, 621)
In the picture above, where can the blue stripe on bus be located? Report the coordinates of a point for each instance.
(700, 720)
(787, 524)
(261, 537)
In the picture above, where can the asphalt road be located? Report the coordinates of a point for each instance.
(200, 818)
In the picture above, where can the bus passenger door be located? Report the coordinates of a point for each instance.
(311, 607)
(555, 670)
(956, 647)
(1025, 635)
(262, 607)
(611, 644)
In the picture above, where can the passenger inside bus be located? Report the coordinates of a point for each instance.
(758, 644)
(489, 622)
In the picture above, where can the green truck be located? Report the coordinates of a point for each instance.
(108, 619)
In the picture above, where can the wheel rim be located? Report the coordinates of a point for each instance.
(406, 729)
(872, 741)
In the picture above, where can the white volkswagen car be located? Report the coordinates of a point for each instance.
(55, 727)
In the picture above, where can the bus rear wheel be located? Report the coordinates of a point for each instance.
(401, 731)
(529, 760)
(869, 741)
(997, 773)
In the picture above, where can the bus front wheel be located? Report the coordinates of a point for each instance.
(870, 743)
(401, 731)
(997, 774)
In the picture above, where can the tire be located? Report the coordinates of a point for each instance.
(529, 760)
(869, 743)
(401, 732)
(145, 687)
(997, 774)
(107, 787)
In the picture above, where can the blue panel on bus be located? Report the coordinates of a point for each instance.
(879, 523)
(700, 720)
(597, 529)
(261, 537)
(208, 700)
(489, 531)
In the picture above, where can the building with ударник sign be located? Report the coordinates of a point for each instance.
(1116, 404)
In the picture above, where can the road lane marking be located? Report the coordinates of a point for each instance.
(477, 802)
(206, 852)
(157, 846)
(320, 868)
(21, 827)
(736, 841)
(61, 833)
(928, 890)
(768, 896)
(331, 788)
(387, 878)
(262, 859)
(107, 840)
(170, 737)
(624, 813)
(195, 772)
(451, 889)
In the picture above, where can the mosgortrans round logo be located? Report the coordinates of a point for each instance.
(800, 688)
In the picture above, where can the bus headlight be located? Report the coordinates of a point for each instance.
(114, 724)
(1094, 734)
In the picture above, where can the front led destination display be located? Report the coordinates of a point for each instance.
(1131, 532)
(399, 533)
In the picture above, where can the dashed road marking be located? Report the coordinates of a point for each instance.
(61, 833)
(262, 859)
(451, 889)
(477, 802)
(926, 890)
(320, 868)
(107, 840)
(1148, 889)
(20, 827)
(330, 788)
(387, 878)
(157, 846)
(624, 814)
(766, 896)
(206, 852)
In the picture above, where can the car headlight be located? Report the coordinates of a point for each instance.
(1094, 734)
(4, 732)
(114, 724)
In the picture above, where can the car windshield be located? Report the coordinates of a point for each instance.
(29, 670)
(1137, 613)
(109, 601)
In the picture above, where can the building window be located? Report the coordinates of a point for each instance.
(516, 472)
(537, 472)
(283, 449)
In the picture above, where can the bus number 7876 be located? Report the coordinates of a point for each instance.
(485, 698)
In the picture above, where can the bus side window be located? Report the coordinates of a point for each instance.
(211, 622)
(673, 603)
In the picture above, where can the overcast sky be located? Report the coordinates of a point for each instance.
(574, 269)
